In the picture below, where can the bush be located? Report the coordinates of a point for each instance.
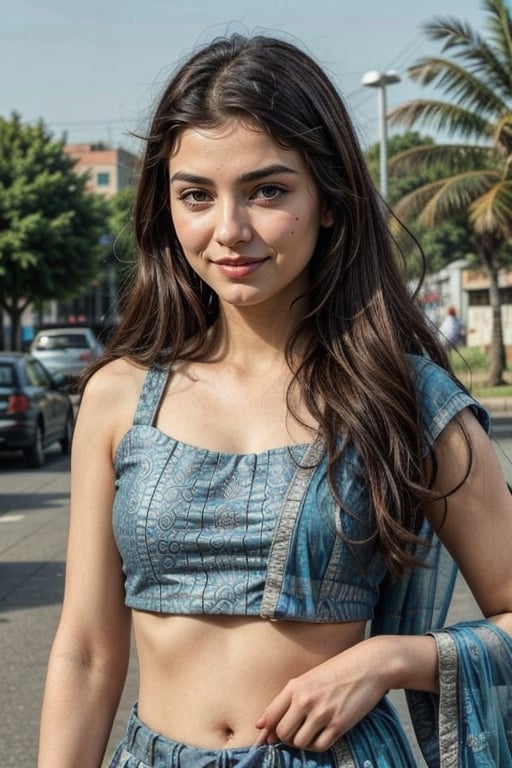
(469, 360)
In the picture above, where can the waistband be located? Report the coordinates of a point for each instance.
(152, 749)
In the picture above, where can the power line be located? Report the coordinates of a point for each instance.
(87, 123)
(398, 61)
(357, 98)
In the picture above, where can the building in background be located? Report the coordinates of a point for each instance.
(479, 318)
(445, 288)
(467, 289)
(110, 170)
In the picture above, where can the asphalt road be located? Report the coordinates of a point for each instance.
(34, 512)
(34, 507)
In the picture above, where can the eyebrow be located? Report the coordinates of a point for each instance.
(275, 169)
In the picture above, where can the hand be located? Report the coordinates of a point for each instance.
(317, 708)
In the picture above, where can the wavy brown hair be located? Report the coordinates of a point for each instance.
(361, 321)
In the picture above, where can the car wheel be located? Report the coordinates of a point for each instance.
(34, 455)
(65, 443)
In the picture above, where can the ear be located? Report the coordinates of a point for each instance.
(326, 216)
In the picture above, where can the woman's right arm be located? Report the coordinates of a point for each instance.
(89, 657)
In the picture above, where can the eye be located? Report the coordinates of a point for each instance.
(269, 192)
(194, 197)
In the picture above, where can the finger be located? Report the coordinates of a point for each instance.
(310, 735)
(274, 712)
(323, 740)
(289, 726)
(261, 738)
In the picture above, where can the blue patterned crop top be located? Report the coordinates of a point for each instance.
(203, 532)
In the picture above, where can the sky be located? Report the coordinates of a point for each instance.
(93, 69)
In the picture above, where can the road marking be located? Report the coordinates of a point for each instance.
(11, 518)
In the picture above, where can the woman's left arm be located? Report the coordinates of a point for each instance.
(315, 709)
(475, 525)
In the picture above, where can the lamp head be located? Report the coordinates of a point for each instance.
(376, 79)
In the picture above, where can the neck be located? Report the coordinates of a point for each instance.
(253, 338)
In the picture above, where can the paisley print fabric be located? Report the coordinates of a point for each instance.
(203, 532)
(211, 533)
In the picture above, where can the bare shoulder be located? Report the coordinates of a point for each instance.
(110, 398)
(463, 436)
(118, 380)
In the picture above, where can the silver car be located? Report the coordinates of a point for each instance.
(66, 350)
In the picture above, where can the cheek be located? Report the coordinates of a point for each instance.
(302, 227)
(286, 226)
(295, 225)
(190, 232)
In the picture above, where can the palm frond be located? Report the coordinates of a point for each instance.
(445, 159)
(411, 205)
(473, 74)
(502, 136)
(463, 42)
(442, 199)
(441, 116)
(455, 32)
(459, 84)
(491, 213)
(499, 24)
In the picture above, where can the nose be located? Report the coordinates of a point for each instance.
(233, 224)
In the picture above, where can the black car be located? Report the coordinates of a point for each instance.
(35, 411)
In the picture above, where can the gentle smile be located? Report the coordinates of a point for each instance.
(238, 262)
(238, 268)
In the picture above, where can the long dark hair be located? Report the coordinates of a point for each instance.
(361, 320)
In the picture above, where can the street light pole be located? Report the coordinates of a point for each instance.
(379, 80)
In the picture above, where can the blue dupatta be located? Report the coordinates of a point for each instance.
(469, 724)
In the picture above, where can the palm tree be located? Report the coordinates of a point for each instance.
(474, 176)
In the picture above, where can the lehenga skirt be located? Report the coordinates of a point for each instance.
(378, 741)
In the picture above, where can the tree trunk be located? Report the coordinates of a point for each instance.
(15, 315)
(497, 350)
(14, 312)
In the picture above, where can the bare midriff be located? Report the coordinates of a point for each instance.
(205, 681)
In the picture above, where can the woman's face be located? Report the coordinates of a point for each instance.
(246, 212)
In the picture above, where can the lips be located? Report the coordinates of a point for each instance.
(239, 268)
(237, 262)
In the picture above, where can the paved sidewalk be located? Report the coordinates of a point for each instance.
(497, 406)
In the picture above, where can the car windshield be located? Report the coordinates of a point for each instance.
(6, 375)
(61, 341)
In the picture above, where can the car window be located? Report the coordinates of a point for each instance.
(61, 341)
(37, 375)
(6, 375)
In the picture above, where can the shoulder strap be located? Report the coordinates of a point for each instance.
(151, 395)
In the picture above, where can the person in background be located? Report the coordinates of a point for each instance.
(451, 329)
(274, 468)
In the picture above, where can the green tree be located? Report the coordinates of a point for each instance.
(119, 251)
(474, 179)
(123, 248)
(49, 224)
(447, 241)
(396, 144)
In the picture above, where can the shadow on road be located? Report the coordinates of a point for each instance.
(30, 584)
(25, 501)
(12, 461)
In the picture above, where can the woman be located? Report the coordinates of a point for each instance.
(278, 433)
